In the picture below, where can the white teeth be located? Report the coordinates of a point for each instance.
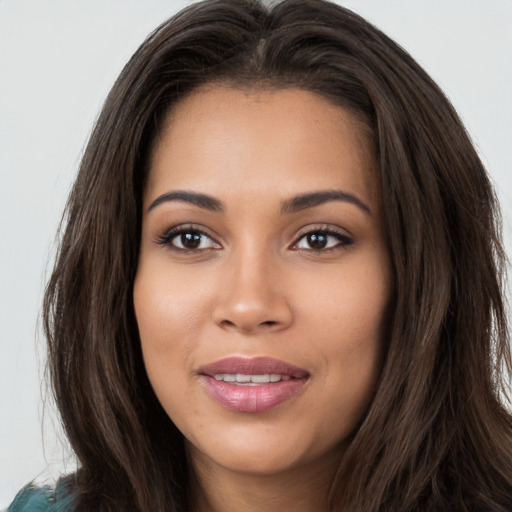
(240, 378)
(258, 379)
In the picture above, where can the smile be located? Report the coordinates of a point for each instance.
(254, 380)
(252, 385)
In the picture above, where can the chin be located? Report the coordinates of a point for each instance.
(260, 451)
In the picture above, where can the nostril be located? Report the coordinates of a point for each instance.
(229, 325)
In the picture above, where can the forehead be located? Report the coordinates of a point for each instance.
(220, 135)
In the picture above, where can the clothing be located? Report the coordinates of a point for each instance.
(43, 499)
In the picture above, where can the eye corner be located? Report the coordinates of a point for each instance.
(187, 239)
(322, 240)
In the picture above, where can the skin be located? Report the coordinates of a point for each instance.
(257, 287)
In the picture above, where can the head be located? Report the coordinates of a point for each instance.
(443, 331)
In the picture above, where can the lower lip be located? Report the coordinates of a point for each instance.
(257, 398)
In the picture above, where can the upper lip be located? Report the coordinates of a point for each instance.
(253, 366)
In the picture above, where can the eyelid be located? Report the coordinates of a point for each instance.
(343, 236)
(166, 237)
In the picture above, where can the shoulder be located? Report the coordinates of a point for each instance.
(43, 499)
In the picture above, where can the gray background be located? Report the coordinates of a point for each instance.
(58, 60)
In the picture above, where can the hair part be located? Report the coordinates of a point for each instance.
(436, 436)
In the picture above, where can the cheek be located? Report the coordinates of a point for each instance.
(348, 321)
(348, 305)
(167, 310)
(165, 323)
(166, 302)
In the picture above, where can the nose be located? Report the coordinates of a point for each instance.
(252, 299)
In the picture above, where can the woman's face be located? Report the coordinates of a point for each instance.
(263, 279)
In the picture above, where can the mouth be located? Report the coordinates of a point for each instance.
(250, 380)
(252, 384)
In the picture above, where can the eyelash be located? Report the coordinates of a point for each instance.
(167, 238)
(343, 240)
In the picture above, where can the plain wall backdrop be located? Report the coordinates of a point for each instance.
(58, 59)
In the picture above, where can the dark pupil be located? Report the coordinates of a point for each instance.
(317, 240)
(191, 240)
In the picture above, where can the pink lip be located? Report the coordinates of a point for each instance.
(256, 398)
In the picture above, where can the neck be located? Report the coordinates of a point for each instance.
(217, 489)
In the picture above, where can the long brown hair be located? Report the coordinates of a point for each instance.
(436, 436)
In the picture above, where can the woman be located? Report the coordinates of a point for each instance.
(278, 286)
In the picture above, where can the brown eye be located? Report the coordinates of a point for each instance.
(317, 240)
(191, 240)
(187, 239)
(322, 240)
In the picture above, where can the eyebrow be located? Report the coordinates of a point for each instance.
(313, 199)
(295, 204)
(202, 200)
